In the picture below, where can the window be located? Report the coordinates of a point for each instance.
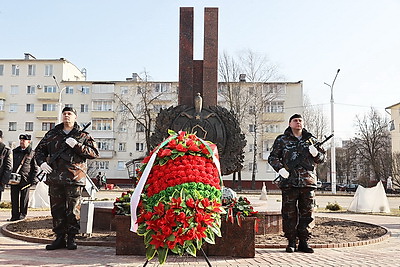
(69, 90)
(252, 128)
(49, 107)
(1, 70)
(102, 105)
(2, 104)
(48, 70)
(139, 108)
(124, 90)
(15, 70)
(251, 147)
(105, 144)
(139, 146)
(252, 109)
(102, 165)
(122, 147)
(14, 89)
(162, 87)
(158, 108)
(30, 107)
(46, 126)
(274, 107)
(12, 126)
(267, 146)
(273, 89)
(139, 90)
(102, 125)
(122, 128)
(30, 89)
(69, 105)
(85, 90)
(31, 70)
(13, 107)
(251, 167)
(29, 126)
(1, 88)
(84, 108)
(50, 89)
(121, 165)
(272, 128)
(139, 127)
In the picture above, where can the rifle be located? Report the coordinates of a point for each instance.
(299, 159)
(59, 152)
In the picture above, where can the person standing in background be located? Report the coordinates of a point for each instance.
(24, 165)
(6, 164)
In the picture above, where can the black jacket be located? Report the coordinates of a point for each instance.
(6, 165)
(29, 168)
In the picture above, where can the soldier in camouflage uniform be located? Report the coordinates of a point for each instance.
(294, 157)
(66, 176)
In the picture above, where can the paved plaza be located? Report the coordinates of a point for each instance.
(385, 253)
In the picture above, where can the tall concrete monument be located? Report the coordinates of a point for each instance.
(197, 110)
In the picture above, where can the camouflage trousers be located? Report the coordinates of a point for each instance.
(297, 208)
(65, 202)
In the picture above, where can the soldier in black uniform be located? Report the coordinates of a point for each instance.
(66, 175)
(294, 157)
(6, 164)
(24, 165)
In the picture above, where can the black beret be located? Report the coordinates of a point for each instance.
(295, 116)
(25, 136)
(69, 109)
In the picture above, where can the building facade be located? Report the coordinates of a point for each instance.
(34, 91)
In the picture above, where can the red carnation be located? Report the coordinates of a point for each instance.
(181, 148)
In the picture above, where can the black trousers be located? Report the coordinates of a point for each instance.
(65, 202)
(297, 209)
(19, 201)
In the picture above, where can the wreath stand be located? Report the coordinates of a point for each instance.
(204, 254)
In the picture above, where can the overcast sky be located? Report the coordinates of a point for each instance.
(308, 40)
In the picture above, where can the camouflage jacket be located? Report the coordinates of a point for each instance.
(70, 167)
(291, 153)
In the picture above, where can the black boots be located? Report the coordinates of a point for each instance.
(58, 243)
(304, 247)
(71, 245)
(291, 247)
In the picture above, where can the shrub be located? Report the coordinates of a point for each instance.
(333, 206)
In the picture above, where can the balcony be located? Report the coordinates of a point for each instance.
(46, 115)
(40, 134)
(47, 96)
(106, 154)
(102, 114)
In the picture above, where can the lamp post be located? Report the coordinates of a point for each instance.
(333, 150)
(59, 99)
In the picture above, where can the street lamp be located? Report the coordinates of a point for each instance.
(59, 99)
(333, 150)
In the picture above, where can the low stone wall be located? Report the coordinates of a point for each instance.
(269, 223)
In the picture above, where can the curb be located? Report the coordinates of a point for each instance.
(32, 239)
(340, 245)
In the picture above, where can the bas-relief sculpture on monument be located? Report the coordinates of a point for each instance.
(197, 110)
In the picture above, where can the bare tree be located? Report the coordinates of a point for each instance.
(139, 106)
(316, 123)
(373, 145)
(249, 100)
(396, 169)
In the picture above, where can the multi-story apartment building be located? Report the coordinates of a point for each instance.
(395, 127)
(33, 91)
